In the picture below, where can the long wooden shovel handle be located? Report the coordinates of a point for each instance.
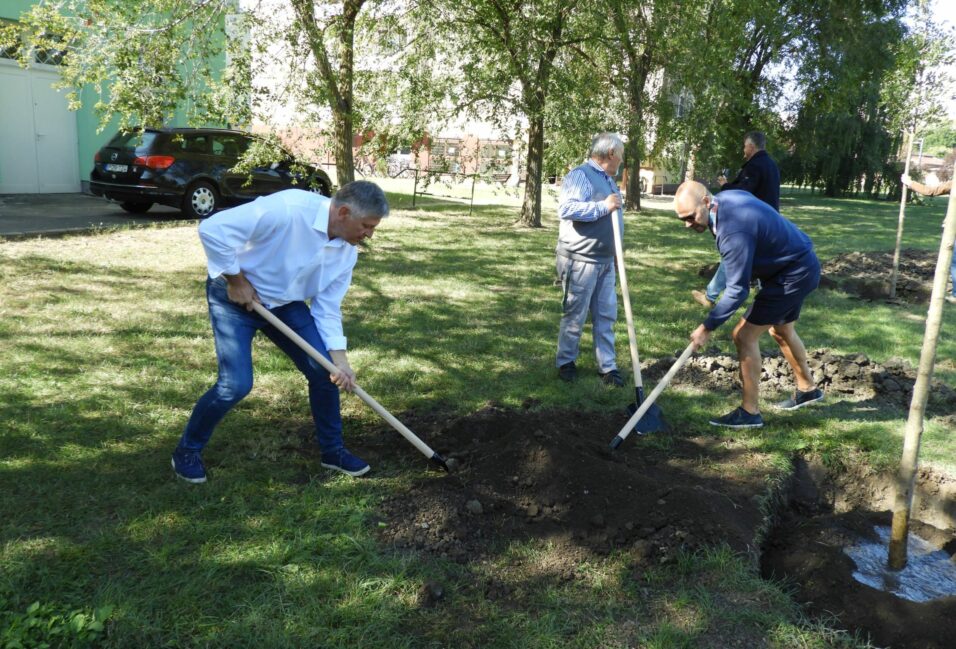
(626, 298)
(632, 422)
(362, 394)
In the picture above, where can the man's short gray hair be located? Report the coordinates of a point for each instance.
(757, 138)
(605, 144)
(365, 199)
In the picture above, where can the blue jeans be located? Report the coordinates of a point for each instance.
(233, 329)
(587, 288)
(717, 283)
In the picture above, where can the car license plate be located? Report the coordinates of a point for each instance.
(117, 168)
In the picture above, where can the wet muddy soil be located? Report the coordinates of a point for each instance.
(807, 548)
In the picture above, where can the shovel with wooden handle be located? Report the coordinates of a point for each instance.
(652, 420)
(362, 394)
(656, 392)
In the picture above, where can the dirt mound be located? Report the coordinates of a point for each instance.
(853, 376)
(867, 274)
(549, 476)
(807, 547)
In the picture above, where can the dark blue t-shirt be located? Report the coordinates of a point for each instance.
(755, 241)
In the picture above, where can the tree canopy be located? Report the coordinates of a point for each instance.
(834, 84)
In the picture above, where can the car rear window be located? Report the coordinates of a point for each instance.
(138, 141)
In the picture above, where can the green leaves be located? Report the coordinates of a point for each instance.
(41, 626)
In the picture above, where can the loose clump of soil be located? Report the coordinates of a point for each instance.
(807, 548)
(549, 476)
(867, 274)
(852, 376)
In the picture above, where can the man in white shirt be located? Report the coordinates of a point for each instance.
(282, 251)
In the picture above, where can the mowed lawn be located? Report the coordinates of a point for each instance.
(106, 346)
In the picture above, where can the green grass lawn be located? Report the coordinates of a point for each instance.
(106, 347)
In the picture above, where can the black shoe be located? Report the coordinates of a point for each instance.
(739, 418)
(612, 378)
(568, 372)
(800, 399)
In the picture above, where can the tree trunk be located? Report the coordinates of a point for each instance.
(914, 422)
(635, 132)
(342, 147)
(344, 118)
(633, 155)
(899, 228)
(338, 83)
(691, 168)
(531, 208)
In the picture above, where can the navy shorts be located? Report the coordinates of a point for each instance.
(781, 297)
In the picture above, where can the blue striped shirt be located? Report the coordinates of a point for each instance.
(576, 202)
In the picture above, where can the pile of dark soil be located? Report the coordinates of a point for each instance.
(807, 548)
(867, 274)
(549, 476)
(852, 376)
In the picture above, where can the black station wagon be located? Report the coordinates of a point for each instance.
(190, 168)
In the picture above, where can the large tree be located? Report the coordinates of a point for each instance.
(503, 56)
(840, 135)
(646, 40)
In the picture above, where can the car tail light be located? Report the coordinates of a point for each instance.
(155, 162)
(96, 158)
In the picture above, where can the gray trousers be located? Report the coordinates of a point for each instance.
(587, 287)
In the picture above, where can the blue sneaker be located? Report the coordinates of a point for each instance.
(188, 466)
(342, 460)
(739, 418)
(801, 399)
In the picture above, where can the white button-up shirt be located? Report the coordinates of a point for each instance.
(281, 244)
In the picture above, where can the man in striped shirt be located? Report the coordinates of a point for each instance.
(585, 257)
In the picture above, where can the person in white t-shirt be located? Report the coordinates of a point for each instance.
(293, 252)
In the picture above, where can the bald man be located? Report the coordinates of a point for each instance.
(754, 240)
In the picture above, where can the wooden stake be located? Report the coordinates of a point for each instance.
(899, 228)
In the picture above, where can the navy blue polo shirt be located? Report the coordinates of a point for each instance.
(755, 241)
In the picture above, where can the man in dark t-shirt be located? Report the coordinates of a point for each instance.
(759, 176)
(754, 240)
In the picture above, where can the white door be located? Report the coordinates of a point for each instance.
(38, 141)
(18, 159)
(56, 142)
